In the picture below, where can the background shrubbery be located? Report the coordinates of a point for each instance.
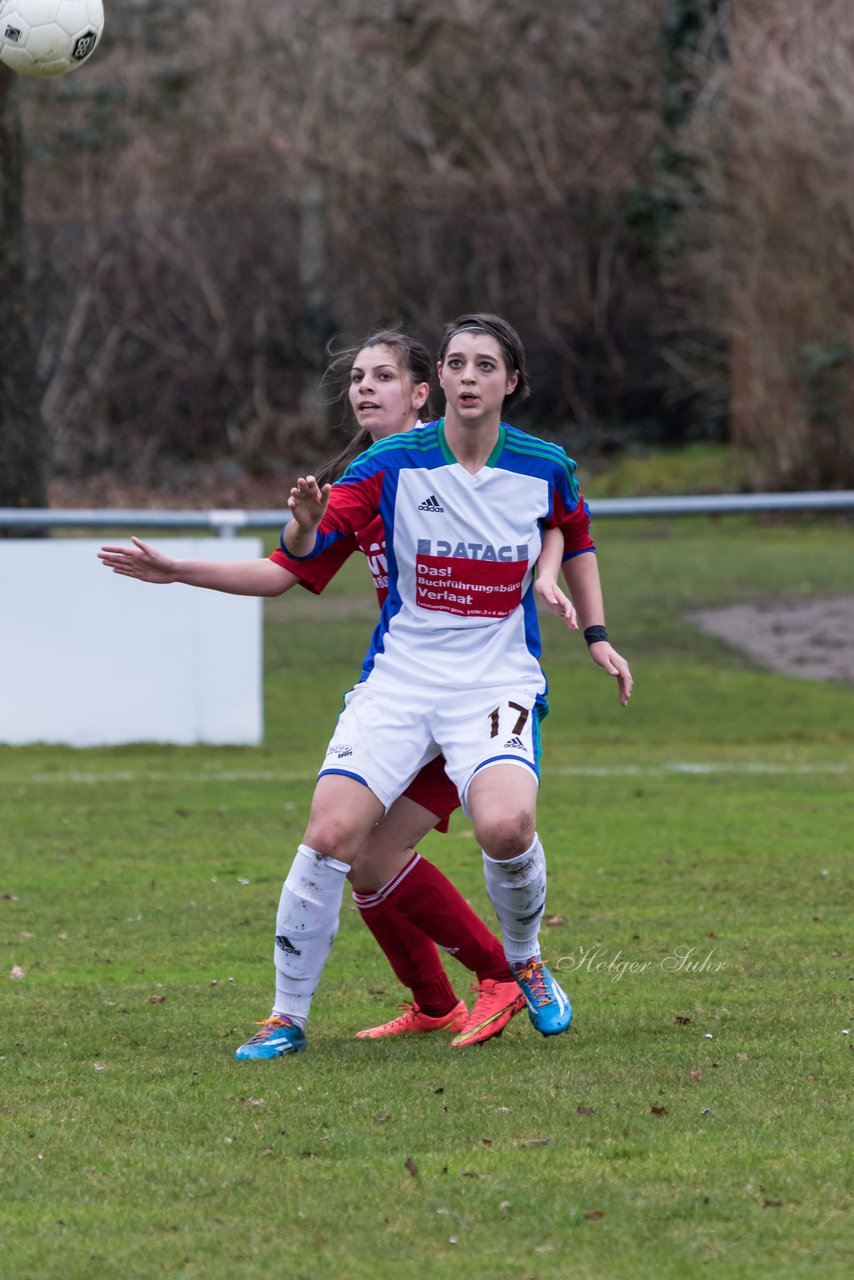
(659, 197)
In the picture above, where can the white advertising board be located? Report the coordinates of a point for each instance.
(89, 658)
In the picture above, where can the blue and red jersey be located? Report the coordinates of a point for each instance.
(452, 552)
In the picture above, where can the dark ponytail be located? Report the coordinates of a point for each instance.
(334, 468)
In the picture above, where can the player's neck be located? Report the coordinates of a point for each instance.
(471, 441)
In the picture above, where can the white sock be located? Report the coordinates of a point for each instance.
(517, 891)
(306, 925)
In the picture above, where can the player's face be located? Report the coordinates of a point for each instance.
(382, 395)
(475, 378)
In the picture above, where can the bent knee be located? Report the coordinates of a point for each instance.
(504, 836)
(343, 812)
(330, 840)
(331, 837)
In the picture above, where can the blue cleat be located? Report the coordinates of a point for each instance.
(277, 1037)
(548, 1006)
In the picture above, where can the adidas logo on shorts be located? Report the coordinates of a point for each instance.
(431, 504)
(514, 742)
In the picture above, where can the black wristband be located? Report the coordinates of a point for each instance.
(594, 634)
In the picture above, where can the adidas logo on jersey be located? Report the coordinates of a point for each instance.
(516, 742)
(431, 504)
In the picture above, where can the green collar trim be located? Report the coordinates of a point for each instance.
(493, 457)
(499, 446)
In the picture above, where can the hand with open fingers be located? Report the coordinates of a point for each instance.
(607, 657)
(555, 600)
(139, 561)
(308, 502)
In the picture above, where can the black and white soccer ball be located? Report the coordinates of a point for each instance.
(49, 37)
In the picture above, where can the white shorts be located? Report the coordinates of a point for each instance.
(384, 737)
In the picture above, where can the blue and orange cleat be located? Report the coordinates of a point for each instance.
(548, 1005)
(277, 1037)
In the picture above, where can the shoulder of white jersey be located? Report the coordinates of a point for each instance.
(539, 455)
(420, 440)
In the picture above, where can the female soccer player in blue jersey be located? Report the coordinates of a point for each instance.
(388, 386)
(453, 664)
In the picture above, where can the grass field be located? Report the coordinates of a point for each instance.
(695, 1120)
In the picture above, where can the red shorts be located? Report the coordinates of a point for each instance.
(433, 789)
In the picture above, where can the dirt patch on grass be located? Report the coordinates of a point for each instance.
(813, 639)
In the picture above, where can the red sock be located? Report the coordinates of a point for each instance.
(426, 897)
(412, 956)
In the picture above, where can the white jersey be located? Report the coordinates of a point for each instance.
(461, 550)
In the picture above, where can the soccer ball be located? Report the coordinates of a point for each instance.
(49, 37)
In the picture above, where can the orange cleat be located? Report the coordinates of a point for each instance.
(412, 1022)
(496, 1004)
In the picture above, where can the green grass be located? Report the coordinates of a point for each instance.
(693, 1122)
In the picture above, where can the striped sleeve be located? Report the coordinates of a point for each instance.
(570, 513)
(316, 573)
(353, 504)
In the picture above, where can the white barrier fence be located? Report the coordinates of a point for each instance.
(228, 522)
(88, 658)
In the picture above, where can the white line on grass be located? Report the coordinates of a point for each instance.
(689, 767)
(675, 767)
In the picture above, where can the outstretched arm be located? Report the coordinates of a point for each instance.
(235, 577)
(548, 566)
(582, 577)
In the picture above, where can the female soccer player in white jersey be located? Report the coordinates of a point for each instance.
(389, 377)
(453, 664)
